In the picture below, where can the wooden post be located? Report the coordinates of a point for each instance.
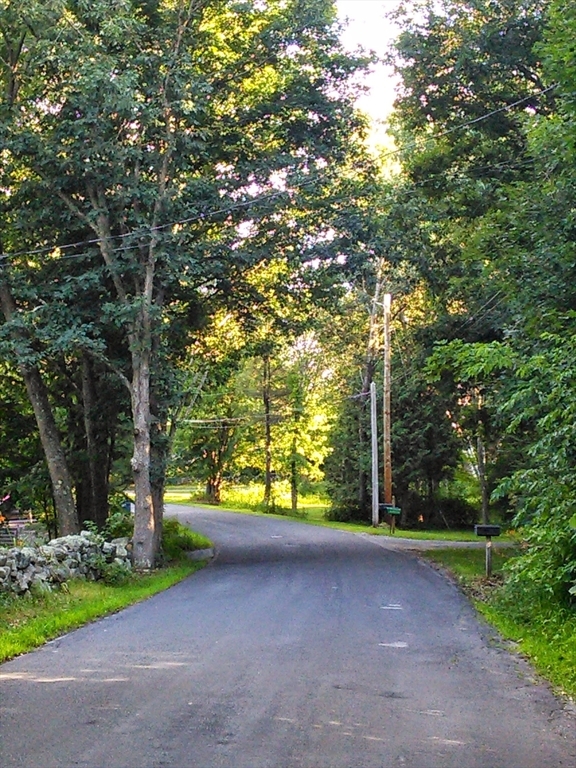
(374, 431)
(488, 556)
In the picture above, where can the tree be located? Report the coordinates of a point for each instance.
(15, 59)
(486, 121)
(470, 74)
(47, 427)
(152, 133)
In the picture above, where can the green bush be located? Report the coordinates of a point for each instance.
(116, 574)
(113, 574)
(119, 525)
(120, 522)
(177, 539)
(350, 513)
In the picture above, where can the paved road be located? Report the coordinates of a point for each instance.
(296, 647)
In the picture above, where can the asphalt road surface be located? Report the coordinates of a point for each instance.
(296, 647)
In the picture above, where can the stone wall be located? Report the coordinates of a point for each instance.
(85, 556)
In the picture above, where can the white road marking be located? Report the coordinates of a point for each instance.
(448, 742)
(393, 645)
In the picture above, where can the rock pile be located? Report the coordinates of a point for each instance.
(85, 556)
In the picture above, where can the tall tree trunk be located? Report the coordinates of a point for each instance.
(49, 436)
(481, 453)
(146, 542)
(294, 476)
(55, 458)
(214, 488)
(266, 397)
(97, 457)
(158, 487)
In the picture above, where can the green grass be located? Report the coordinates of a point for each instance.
(469, 565)
(544, 633)
(242, 498)
(31, 620)
(311, 509)
(549, 641)
(177, 539)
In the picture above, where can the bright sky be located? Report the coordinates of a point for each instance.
(369, 28)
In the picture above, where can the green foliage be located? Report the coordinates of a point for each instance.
(348, 463)
(154, 155)
(488, 144)
(544, 489)
(470, 362)
(425, 446)
(224, 442)
(120, 521)
(111, 573)
(257, 205)
(177, 539)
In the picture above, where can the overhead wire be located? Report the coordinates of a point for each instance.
(5, 256)
(121, 248)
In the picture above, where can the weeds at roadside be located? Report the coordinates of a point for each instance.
(543, 631)
(30, 620)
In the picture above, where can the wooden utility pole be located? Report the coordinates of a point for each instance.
(374, 431)
(386, 409)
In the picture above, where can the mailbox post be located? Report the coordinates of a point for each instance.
(393, 511)
(488, 531)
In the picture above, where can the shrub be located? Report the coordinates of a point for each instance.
(345, 514)
(177, 539)
(116, 574)
(120, 522)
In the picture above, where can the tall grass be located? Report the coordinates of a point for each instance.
(544, 631)
(312, 504)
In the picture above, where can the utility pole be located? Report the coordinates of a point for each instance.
(386, 410)
(374, 431)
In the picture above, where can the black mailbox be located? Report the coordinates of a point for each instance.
(487, 530)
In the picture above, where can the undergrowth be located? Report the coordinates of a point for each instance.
(543, 629)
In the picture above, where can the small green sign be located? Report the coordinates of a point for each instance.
(386, 509)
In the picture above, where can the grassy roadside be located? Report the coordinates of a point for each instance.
(31, 620)
(544, 634)
(311, 510)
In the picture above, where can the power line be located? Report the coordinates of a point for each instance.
(152, 230)
(505, 108)
(427, 139)
(118, 249)
(262, 198)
